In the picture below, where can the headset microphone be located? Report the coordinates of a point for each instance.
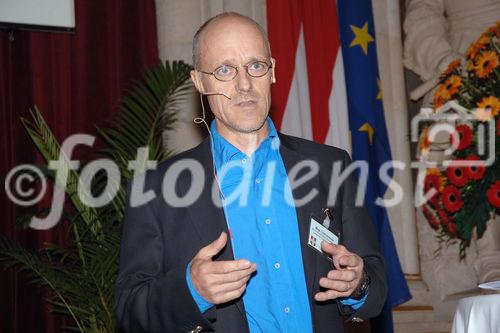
(215, 93)
(201, 120)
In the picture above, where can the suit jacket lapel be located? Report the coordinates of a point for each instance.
(209, 219)
(290, 158)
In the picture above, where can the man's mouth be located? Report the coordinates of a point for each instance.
(244, 104)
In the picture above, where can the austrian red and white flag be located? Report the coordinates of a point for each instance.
(309, 96)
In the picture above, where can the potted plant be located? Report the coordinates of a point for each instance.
(81, 275)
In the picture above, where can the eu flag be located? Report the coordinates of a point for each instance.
(369, 135)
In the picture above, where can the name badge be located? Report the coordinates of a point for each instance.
(318, 233)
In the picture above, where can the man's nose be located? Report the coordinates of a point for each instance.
(243, 81)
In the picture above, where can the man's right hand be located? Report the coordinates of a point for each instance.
(219, 281)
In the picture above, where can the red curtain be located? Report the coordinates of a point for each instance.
(76, 81)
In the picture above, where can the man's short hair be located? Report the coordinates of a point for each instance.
(199, 33)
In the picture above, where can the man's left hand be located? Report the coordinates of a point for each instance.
(342, 281)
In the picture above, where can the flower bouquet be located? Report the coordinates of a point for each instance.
(464, 198)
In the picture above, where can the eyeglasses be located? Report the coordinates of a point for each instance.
(227, 72)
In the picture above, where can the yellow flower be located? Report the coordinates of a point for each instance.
(433, 171)
(433, 174)
(452, 84)
(451, 67)
(483, 40)
(492, 103)
(423, 142)
(483, 115)
(446, 90)
(486, 63)
(494, 30)
(470, 65)
(438, 101)
(472, 51)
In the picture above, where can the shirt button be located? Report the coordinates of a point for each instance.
(286, 309)
(244, 160)
(277, 265)
(268, 221)
(257, 180)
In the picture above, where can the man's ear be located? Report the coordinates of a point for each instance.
(195, 77)
(273, 63)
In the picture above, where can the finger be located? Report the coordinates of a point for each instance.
(225, 267)
(333, 249)
(213, 248)
(350, 260)
(341, 275)
(233, 276)
(231, 286)
(340, 286)
(229, 296)
(218, 279)
(328, 295)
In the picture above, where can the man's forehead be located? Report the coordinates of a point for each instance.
(231, 26)
(224, 38)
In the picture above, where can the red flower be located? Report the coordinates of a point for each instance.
(457, 176)
(452, 199)
(464, 135)
(434, 200)
(431, 217)
(444, 217)
(452, 228)
(475, 172)
(447, 221)
(493, 194)
(433, 182)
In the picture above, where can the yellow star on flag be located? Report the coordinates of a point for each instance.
(361, 37)
(379, 95)
(366, 127)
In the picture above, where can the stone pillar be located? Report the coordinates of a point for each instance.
(390, 59)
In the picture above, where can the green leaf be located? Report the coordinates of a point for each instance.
(82, 274)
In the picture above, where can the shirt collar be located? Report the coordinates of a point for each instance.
(224, 151)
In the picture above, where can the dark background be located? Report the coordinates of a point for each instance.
(76, 81)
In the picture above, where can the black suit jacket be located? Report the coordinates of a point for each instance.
(159, 240)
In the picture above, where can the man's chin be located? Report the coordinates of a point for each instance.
(248, 128)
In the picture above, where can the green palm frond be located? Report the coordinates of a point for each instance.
(46, 143)
(148, 110)
(40, 272)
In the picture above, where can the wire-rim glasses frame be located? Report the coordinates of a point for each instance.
(262, 69)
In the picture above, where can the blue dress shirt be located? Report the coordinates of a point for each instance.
(263, 228)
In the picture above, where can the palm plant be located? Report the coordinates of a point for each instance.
(82, 274)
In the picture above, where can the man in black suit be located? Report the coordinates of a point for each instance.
(179, 272)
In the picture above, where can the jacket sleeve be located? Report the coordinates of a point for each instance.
(359, 237)
(427, 50)
(150, 297)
